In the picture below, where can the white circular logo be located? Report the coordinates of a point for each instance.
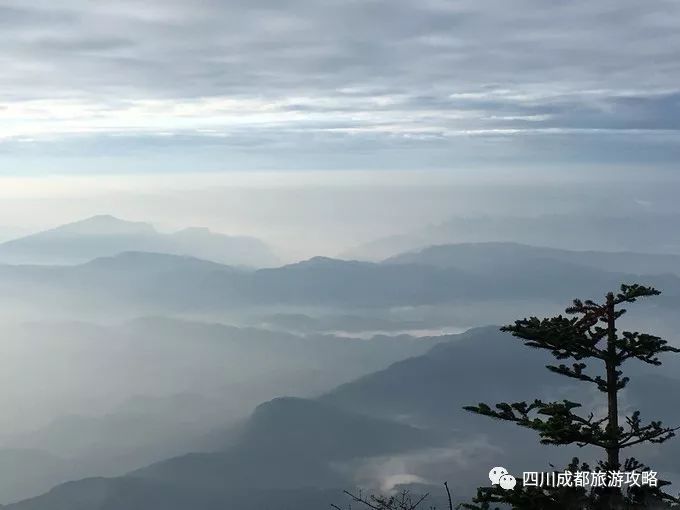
(496, 473)
(507, 482)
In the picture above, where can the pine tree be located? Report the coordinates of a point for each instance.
(587, 333)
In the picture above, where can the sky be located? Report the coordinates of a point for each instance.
(205, 86)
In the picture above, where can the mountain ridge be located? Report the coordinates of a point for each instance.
(656, 231)
(475, 255)
(106, 236)
(436, 384)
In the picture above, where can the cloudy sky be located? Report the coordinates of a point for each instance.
(208, 85)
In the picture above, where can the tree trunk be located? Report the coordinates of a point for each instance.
(612, 387)
(612, 400)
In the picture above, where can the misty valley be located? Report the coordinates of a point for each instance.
(141, 370)
(339, 255)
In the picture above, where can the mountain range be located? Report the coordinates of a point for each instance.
(404, 423)
(640, 232)
(122, 396)
(387, 425)
(149, 283)
(104, 235)
(480, 257)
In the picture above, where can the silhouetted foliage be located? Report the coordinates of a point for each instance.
(589, 333)
(404, 500)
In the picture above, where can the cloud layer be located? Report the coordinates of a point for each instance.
(337, 83)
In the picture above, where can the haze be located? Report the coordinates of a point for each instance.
(255, 253)
(329, 213)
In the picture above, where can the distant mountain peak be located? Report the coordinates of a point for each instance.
(194, 231)
(322, 261)
(150, 261)
(103, 218)
(319, 259)
(280, 404)
(105, 224)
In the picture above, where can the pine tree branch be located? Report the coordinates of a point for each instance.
(643, 347)
(561, 426)
(564, 337)
(637, 433)
(576, 372)
(631, 293)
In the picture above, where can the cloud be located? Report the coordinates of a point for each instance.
(460, 462)
(376, 77)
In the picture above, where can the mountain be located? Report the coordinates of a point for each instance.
(190, 381)
(485, 365)
(481, 257)
(285, 458)
(146, 283)
(450, 372)
(8, 233)
(144, 357)
(468, 368)
(646, 232)
(128, 493)
(405, 420)
(46, 471)
(290, 443)
(127, 284)
(102, 236)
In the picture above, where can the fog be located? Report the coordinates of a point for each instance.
(254, 254)
(303, 214)
(128, 340)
